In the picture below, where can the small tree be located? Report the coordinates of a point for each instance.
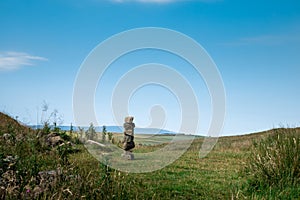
(71, 128)
(91, 132)
(104, 133)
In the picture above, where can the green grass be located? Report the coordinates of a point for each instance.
(214, 177)
(223, 174)
(150, 140)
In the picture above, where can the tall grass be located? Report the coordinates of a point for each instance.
(274, 164)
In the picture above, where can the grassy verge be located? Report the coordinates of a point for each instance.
(273, 167)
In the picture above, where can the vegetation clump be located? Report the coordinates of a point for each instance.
(27, 156)
(274, 164)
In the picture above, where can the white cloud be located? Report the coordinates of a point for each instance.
(14, 60)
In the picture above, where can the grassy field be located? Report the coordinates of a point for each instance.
(221, 175)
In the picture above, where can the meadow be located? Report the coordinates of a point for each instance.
(263, 165)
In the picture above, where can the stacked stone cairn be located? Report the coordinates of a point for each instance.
(128, 140)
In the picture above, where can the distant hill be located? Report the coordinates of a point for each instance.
(114, 129)
(7, 122)
(119, 129)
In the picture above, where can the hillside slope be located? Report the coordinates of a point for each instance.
(7, 124)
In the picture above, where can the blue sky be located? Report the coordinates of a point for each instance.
(255, 45)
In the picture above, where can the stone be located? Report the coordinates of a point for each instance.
(48, 178)
(128, 155)
(54, 140)
(128, 140)
(7, 136)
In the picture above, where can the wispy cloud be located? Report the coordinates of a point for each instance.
(160, 1)
(270, 40)
(15, 60)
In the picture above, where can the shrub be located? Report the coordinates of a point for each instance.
(91, 132)
(63, 151)
(64, 136)
(104, 133)
(110, 136)
(46, 129)
(274, 162)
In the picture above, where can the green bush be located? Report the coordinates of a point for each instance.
(274, 162)
(64, 136)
